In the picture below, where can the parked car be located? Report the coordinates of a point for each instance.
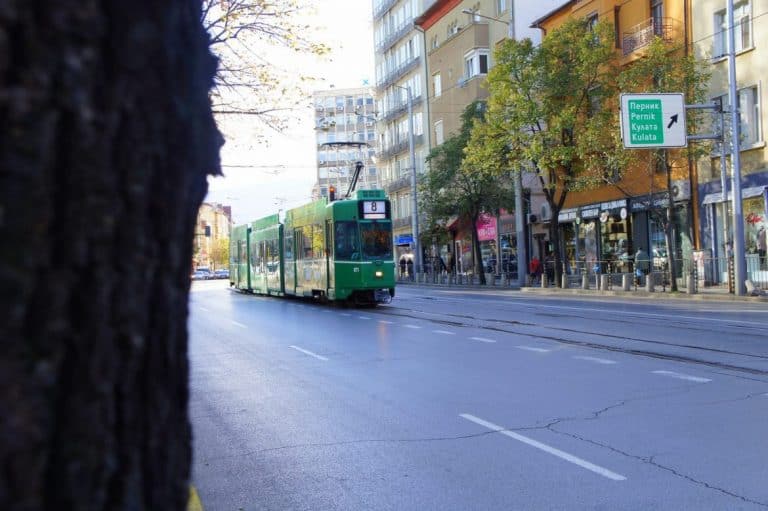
(221, 273)
(201, 275)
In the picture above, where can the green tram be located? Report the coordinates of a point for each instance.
(338, 250)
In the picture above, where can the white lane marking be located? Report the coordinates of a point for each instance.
(385, 322)
(204, 309)
(346, 314)
(681, 376)
(363, 317)
(482, 339)
(444, 332)
(546, 448)
(239, 324)
(597, 360)
(531, 348)
(415, 327)
(307, 352)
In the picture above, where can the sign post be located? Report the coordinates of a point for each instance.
(653, 121)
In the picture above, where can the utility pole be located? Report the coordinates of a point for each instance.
(414, 200)
(739, 258)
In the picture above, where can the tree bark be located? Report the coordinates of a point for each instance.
(107, 138)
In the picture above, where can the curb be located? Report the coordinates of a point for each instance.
(194, 504)
(593, 292)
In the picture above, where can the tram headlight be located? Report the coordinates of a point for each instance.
(379, 274)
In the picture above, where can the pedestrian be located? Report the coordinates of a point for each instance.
(535, 268)
(402, 266)
(642, 264)
(761, 244)
(409, 263)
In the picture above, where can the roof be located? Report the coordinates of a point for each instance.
(537, 22)
(435, 13)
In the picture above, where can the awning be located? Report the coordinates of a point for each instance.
(746, 193)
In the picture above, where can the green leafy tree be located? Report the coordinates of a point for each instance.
(220, 253)
(665, 68)
(454, 187)
(548, 113)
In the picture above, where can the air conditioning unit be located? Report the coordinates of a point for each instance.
(532, 219)
(681, 190)
(369, 123)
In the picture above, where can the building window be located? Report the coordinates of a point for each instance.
(475, 63)
(742, 26)
(437, 85)
(501, 6)
(749, 113)
(439, 138)
(657, 16)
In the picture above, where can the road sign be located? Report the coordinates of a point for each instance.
(653, 120)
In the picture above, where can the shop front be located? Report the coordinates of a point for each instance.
(717, 223)
(596, 237)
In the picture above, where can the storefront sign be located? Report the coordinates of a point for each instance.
(403, 239)
(486, 228)
(659, 200)
(567, 215)
(590, 213)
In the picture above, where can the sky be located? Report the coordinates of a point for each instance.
(259, 179)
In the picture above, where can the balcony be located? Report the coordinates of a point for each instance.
(398, 73)
(643, 33)
(401, 146)
(398, 109)
(398, 184)
(382, 7)
(394, 37)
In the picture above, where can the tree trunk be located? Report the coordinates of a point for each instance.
(107, 137)
(479, 268)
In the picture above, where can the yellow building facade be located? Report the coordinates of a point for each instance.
(612, 222)
(212, 230)
(710, 38)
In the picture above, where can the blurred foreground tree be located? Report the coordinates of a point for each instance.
(106, 142)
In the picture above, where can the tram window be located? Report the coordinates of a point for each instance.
(306, 242)
(288, 250)
(346, 241)
(318, 241)
(377, 240)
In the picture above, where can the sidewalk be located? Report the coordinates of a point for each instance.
(707, 293)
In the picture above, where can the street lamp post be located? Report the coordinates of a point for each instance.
(414, 200)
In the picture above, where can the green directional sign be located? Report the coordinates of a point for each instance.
(653, 120)
(646, 125)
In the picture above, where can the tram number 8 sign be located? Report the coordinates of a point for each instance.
(374, 210)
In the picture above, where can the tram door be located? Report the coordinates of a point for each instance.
(329, 255)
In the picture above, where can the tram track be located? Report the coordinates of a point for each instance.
(564, 335)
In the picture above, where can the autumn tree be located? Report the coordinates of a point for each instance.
(664, 68)
(107, 140)
(455, 187)
(220, 253)
(549, 112)
(251, 38)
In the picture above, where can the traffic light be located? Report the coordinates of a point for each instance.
(332, 193)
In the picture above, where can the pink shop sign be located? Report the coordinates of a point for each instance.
(486, 228)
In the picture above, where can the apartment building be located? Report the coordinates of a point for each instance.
(400, 70)
(345, 134)
(710, 37)
(212, 230)
(611, 222)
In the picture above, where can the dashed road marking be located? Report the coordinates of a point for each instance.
(204, 309)
(346, 314)
(414, 327)
(444, 332)
(532, 348)
(363, 317)
(681, 376)
(597, 360)
(239, 324)
(482, 339)
(546, 448)
(385, 322)
(307, 352)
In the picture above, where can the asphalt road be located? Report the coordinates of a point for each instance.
(462, 400)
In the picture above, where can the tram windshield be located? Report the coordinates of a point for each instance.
(346, 241)
(377, 240)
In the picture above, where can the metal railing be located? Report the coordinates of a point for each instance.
(643, 33)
